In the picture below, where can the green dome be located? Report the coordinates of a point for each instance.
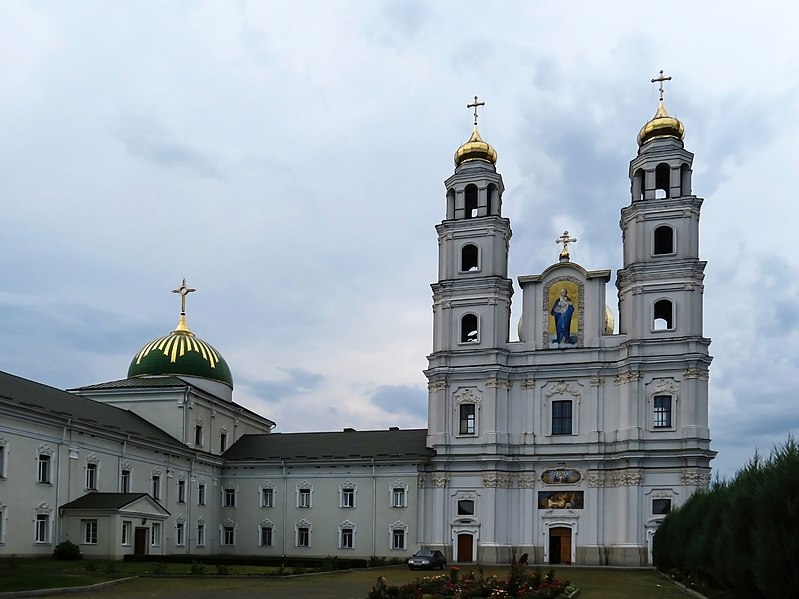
(180, 353)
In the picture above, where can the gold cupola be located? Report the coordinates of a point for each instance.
(475, 149)
(661, 125)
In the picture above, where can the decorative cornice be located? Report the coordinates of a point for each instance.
(437, 385)
(628, 377)
(626, 478)
(497, 480)
(596, 479)
(526, 480)
(696, 373)
(597, 381)
(528, 384)
(695, 478)
(439, 481)
(497, 383)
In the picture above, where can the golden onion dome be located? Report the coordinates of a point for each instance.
(661, 125)
(475, 149)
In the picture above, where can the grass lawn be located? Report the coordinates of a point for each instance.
(354, 584)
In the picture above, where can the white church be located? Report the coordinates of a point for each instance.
(570, 444)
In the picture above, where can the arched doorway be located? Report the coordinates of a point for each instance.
(560, 545)
(465, 548)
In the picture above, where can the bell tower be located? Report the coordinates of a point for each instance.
(661, 283)
(471, 300)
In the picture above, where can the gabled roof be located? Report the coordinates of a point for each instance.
(159, 381)
(111, 502)
(67, 406)
(349, 444)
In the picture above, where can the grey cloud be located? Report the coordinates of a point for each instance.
(401, 399)
(299, 381)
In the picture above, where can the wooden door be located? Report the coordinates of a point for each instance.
(140, 541)
(560, 545)
(465, 547)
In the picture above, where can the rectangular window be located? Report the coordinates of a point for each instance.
(90, 532)
(348, 497)
(2, 462)
(198, 435)
(43, 475)
(229, 498)
(124, 481)
(201, 535)
(266, 536)
(156, 487)
(155, 534)
(468, 419)
(398, 538)
(661, 418)
(661, 506)
(42, 532)
(181, 491)
(2, 529)
(465, 507)
(303, 537)
(304, 499)
(228, 535)
(398, 497)
(347, 538)
(180, 533)
(561, 417)
(201, 494)
(126, 527)
(222, 441)
(267, 497)
(91, 477)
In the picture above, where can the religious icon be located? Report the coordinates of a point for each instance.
(563, 322)
(560, 500)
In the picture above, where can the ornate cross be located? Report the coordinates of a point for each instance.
(660, 80)
(565, 240)
(475, 104)
(183, 290)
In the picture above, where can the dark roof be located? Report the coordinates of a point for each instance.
(38, 397)
(103, 501)
(349, 444)
(144, 381)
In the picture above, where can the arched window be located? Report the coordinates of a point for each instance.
(662, 181)
(663, 240)
(663, 317)
(469, 328)
(470, 201)
(469, 258)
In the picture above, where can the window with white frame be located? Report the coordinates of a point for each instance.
(198, 435)
(89, 532)
(155, 534)
(201, 533)
(661, 506)
(229, 497)
(43, 468)
(124, 481)
(661, 411)
(347, 495)
(181, 491)
(398, 535)
(3, 452)
(265, 531)
(346, 537)
(42, 528)
(267, 497)
(201, 494)
(126, 528)
(155, 487)
(222, 441)
(91, 475)
(468, 419)
(180, 534)
(562, 417)
(303, 534)
(399, 495)
(228, 535)
(304, 492)
(466, 507)
(2, 524)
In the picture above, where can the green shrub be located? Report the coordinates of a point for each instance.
(159, 568)
(223, 569)
(66, 550)
(111, 568)
(198, 568)
(90, 566)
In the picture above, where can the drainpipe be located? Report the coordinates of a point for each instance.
(374, 508)
(285, 503)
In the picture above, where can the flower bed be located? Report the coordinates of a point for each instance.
(520, 582)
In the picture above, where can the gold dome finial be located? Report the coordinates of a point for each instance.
(183, 290)
(661, 125)
(565, 240)
(475, 148)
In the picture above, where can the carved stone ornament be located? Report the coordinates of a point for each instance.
(440, 481)
(596, 479)
(597, 381)
(696, 373)
(663, 386)
(628, 377)
(497, 480)
(526, 480)
(466, 495)
(467, 396)
(528, 384)
(562, 388)
(695, 478)
(496, 383)
(626, 478)
(437, 385)
(492, 301)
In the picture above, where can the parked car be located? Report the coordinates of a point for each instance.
(427, 559)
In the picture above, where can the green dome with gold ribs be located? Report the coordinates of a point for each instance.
(181, 353)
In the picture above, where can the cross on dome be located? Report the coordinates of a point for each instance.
(660, 80)
(183, 290)
(565, 240)
(474, 105)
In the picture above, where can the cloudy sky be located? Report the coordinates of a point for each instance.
(288, 158)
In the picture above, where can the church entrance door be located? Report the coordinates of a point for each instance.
(465, 548)
(140, 541)
(560, 545)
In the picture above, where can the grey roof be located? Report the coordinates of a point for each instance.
(38, 397)
(142, 381)
(103, 501)
(349, 444)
